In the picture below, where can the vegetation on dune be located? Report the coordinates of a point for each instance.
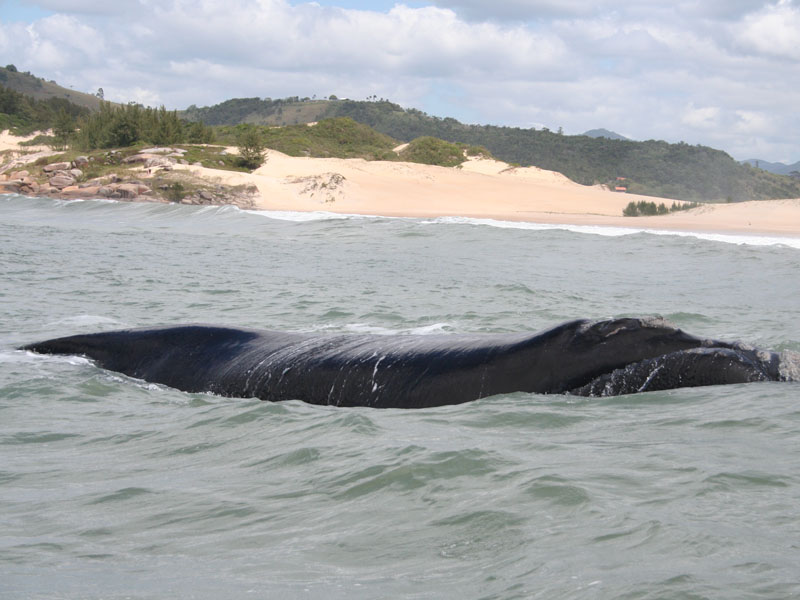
(251, 148)
(331, 138)
(432, 151)
(111, 126)
(121, 126)
(643, 208)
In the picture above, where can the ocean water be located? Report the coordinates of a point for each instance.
(114, 488)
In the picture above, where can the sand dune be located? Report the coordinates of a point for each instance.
(12, 142)
(482, 189)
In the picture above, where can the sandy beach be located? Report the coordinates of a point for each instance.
(480, 188)
(483, 189)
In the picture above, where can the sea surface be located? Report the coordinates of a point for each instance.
(114, 488)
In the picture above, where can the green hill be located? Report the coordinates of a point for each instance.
(39, 89)
(254, 111)
(653, 168)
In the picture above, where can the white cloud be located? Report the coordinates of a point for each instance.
(774, 30)
(707, 117)
(701, 72)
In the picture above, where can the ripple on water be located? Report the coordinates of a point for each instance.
(414, 472)
(557, 492)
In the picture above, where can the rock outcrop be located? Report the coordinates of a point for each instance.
(64, 180)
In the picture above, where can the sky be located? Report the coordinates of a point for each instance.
(723, 73)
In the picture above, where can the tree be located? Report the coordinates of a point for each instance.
(63, 129)
(251, 148)
(100, 93)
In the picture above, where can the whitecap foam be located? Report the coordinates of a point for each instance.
(300, 217)
(610, 231)
(26, 356)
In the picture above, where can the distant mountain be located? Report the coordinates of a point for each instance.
(39, 89)
(777, 168)
(604, 133)
(653, 168)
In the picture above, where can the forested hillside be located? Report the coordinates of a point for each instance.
(654, 168)
(26, 114)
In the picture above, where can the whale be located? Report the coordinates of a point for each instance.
(581, 357)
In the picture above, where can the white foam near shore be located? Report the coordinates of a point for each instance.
(609, 231)
(301, 217)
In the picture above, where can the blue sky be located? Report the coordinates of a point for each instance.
(719, 72)
(17, 11)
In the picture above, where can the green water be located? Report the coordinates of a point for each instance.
(115, 488)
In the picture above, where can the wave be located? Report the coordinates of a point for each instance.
(302, 217)
(609, 231)
(138, 211)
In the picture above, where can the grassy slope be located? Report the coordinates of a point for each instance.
(38, 88)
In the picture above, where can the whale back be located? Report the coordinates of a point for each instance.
(413, 371)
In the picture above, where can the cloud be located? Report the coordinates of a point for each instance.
(707, 117)
(527, 10)
(774, 30)
(88, 7)
(700, 72)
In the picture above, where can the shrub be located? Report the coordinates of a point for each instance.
(643, 208)
(175, 192)
(433, 151)
(251, 148)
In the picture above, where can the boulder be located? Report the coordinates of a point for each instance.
(128, 190)
(59, 166)
(18, 175)
(9, 187)
(79, 192)
(159, 162)
(80, 161)
(160, 151)
(76, 173)
(142, 157)
(61, 181)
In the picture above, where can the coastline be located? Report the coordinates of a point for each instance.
(478, 189)
(485, 189)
